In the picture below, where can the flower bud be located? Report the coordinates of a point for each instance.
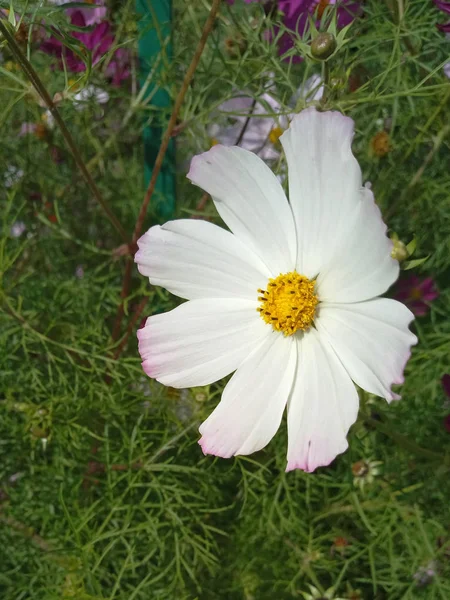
(323, 46)
(399, 251)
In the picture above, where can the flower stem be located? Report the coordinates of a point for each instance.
(173, 118)
(43, 93)
(159, 161)
(407, 443)
(326, 83)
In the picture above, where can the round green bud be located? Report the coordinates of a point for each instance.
(323, 46)
(399, 251)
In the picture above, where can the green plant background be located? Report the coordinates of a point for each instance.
(104, 491)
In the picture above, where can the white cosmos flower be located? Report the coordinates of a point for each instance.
(248, 120)
(249, 123)
(331, 233)
(89, 93)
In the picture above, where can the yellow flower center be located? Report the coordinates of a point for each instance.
(289, 303)
(275, 134)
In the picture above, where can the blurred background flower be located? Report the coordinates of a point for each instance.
(417, 293)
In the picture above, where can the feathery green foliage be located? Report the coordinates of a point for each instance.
(104, 492)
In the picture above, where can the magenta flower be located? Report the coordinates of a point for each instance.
(296, 15)
(446, 386)
(417, 294)
(118, 68)
(445, 7)
(94, 12)
(98, 40)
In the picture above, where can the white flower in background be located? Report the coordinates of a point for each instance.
(79, 272)
(12, 175)
(310, 91)
(88, 94)
(365, 471)
(288, 298)
(317, 594)
(17, 229)
(251, 126)
(48, 119)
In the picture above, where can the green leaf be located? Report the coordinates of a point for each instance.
(412, 264)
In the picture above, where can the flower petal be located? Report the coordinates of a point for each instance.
(322, 406)
(196, 259)
(324, 183)
(251, 201)
(200, 341)
(372, 341)
(253, 401)
(361, 267)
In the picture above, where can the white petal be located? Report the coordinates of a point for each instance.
(324, 183)
(253, 402)
(200, 341)
(372, 341)
(251, 201)
(322, 406)
(361, 266)
(196, 259)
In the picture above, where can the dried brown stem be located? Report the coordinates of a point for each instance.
(160, 158)
(40, 88)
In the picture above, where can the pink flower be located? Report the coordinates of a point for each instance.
(98, 41)
(447, 423)
(417, 294)
(446, 384)
(445, 7)
(118, 68)
(296, 16)
(27, 128)
(94, 12)
(296, 13)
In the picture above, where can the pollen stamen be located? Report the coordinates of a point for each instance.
(277, 309)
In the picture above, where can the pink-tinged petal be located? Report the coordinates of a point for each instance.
(251, 201)
(253, 402)
(324, 184)
(196, 259)
(92, 14)
(322, 406)
(361, 266)
(371, 339)
(200, 341)
(446, 384)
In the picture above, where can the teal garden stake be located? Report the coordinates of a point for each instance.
(155, 55)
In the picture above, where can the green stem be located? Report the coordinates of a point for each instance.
(43, 93)
(407, 443)
(326, 83)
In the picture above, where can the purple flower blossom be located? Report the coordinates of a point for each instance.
(417, 294)
(445, 7)
(17, 229)
(446, 384)
(118, 68)
(445, 381)
(94, 12)
(296, 15)
(98, 41)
